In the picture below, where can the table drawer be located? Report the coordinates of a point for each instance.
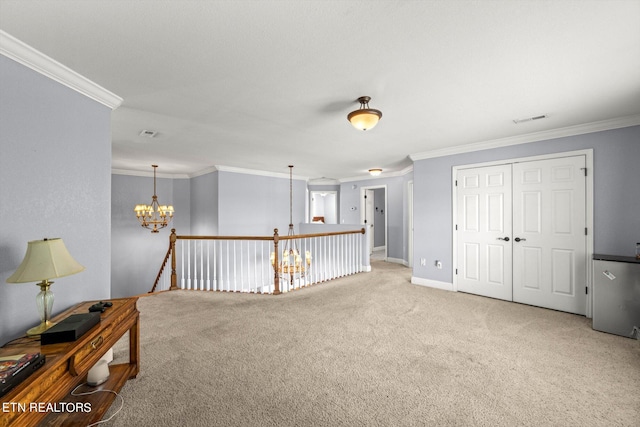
(87, 356)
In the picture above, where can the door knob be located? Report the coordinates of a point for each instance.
(506, 239)
(517, 239)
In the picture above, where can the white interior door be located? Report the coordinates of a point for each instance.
(484, 254)
(549, 238)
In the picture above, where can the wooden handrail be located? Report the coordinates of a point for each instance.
(164, 263)
(297, 236)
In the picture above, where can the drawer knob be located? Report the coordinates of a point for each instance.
(97, 342)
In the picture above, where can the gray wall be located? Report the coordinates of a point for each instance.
(616, 194)
(136, 253)
(55, 181)
(396, 210)
(204, 205)
(253, 205)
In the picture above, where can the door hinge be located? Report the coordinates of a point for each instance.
(456, 182)
(456, 227)
(585, 171)
(586, 290)
(456, 271)
(586, 231)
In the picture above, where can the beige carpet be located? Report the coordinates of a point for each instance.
(374, 350)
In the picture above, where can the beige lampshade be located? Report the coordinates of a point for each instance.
(45, 259)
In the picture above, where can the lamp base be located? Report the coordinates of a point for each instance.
(40, 328)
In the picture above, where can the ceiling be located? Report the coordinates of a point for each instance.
(263, 84)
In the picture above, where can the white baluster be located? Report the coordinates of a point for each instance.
(352, 252)
(255, 265)
(208, 265)
(215, 262)
(228, 287)
(182, 265)
(235, 274)
(188, 264)
(362, 237)
(332, 250)
(340, 255)
(194, 264)
(241, 267)
(349, 253)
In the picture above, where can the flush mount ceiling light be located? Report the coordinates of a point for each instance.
(364, 118)
(375, 171)
(530, 119)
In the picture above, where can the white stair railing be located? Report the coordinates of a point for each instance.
(247, 263)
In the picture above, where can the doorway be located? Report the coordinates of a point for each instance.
(410, 223)
(373, 214)
(323, 207)
(521, 231)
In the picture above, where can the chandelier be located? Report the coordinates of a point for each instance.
(364, 118)
(290, 265)
(154, 216)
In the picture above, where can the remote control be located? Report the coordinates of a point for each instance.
(100, 306)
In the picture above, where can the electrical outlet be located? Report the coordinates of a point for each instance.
(423, 261)
(439, 265)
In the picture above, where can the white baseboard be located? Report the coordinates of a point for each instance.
(398, 261)
(432, 283)
(366, 268)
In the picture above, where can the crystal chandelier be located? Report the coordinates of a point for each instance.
(290, 265)
(154, 216)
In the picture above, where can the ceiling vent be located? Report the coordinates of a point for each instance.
(149, 133)
(530, 119)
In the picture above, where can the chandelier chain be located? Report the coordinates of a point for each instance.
(290, 195)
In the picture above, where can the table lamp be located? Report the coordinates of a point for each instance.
(45, 259)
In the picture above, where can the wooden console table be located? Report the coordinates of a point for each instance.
(66, 367)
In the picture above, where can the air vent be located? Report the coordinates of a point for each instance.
(148, 133)
(530, 119)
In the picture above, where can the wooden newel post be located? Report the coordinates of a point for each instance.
(276, 263)
(172, 246)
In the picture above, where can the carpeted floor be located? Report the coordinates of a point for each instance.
(374, 350)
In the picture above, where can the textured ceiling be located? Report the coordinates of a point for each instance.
(264, 84)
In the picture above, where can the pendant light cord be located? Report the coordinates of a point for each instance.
(290, 195)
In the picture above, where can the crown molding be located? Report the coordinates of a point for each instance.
(24, 54)
(206, 171)
(368, 177)
(201, 172)
(259, 172)
(149, 174)
(324, 181)
(581, 129)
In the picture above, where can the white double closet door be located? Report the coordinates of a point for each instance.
(521, 232)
